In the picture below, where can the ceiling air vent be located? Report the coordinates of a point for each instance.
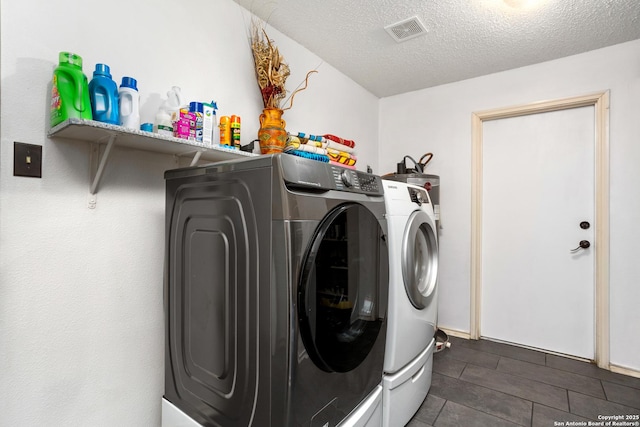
(407, 29)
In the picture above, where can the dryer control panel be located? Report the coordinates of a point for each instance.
(311, 174)
(348, 179)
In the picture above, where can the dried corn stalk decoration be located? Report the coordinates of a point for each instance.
(271, 69)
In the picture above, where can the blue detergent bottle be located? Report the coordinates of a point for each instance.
(103, 93)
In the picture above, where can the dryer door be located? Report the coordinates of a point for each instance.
(419, 258)
(343, 286)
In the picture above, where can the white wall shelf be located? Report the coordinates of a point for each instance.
(110, 135)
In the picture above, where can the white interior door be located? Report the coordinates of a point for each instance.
(537, 187)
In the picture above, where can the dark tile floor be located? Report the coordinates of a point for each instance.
(484, 383)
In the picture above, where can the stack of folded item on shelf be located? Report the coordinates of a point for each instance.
(341, 151)
(309, 146)
(324, 148)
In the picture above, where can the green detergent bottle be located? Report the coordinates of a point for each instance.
(70, 90)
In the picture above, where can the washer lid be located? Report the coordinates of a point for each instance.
(419, 258)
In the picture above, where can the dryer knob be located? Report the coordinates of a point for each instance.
(346, 178)
(416, 197)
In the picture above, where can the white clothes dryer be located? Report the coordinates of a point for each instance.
(413, 300)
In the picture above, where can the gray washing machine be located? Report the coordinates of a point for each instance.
(276, 287)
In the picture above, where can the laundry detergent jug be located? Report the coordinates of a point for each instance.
(129, 100)
(103, 93)
(69, 90)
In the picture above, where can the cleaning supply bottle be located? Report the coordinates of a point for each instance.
(197, 108)
(225, 130)
(129, 103)
(103, 93)
(165, 116)
(163, 124)
(209, 124)
(69, 90)
(235, 131)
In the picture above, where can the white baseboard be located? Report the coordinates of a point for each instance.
(613, 368)
(455, 333)
(624, 371)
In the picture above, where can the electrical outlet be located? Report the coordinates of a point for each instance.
(27, 159)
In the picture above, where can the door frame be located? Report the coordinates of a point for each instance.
(600, 102)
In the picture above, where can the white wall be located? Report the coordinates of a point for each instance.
(438, 120)
(81, 319)
(81, 316)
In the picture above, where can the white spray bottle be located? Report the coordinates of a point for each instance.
(170, 107)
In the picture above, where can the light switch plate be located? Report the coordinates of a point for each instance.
(27, 160)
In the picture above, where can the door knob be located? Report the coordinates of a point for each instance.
(584, 244)
(585, 225)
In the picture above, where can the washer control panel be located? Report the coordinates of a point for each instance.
(418, 195)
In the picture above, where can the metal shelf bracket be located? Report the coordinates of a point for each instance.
(196, 158)
(97, 168)
(197, 154)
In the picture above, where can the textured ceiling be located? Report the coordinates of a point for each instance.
(465, 38)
